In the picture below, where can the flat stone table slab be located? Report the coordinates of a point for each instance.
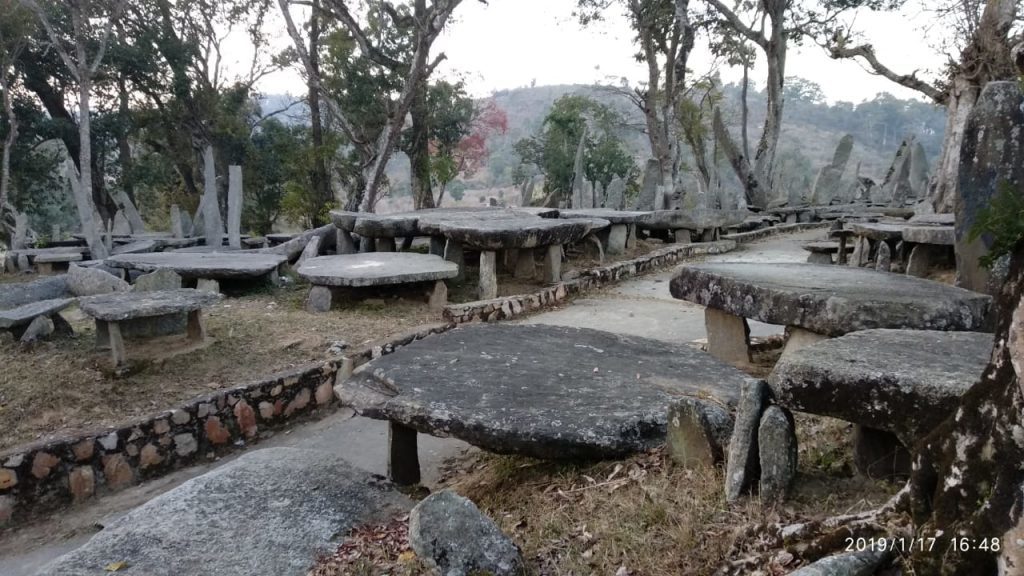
(613, 216)
(17, 294)
(489, 233)
(26, 313)
(821, 252)
(901, 381)
(830, 300)
(271, 512)
(878, 231)
(541, 391)
(239, 265)
(374, 269)
(110, 310)
(692, 219)
(938, 235)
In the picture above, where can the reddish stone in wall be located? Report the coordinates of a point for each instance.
(216, 433)
(117, 471)
(324, 393)
(8, 478)
(149, 456)
(246, 418)
(300, 401)
(43, 463)
(82, 483)
(84, 450)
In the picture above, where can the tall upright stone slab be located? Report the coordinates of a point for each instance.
(578, 178)
(212, 229)
(991, 162)
(131, 213)
(597, 199)
(177, 230)
(528, 195)
(615, 197)
(895, 188)
(235, 207)
(826, 184)
(121, 225)
(649, 189)
(83, 203)
(919, 172)
(20, 230)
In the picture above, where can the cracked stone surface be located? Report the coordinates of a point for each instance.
(902, 381)
(214, 265)
(120, 306)
(830, 300)
(542, 391)
(376, 269)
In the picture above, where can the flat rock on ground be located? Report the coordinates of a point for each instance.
(271, 512)
(20, 293)
(28, 312)
(92, 281)
(376, 269)
(541, 391)
(830, 300)
(121, 306)
(216, 265)
(902, 381)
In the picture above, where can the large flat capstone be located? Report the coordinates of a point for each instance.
(517, 231)
(830, 300)
(271, 512)
(902, 381)
(613, 216)
(120, 306)
(701, 219)
(26, 313)
(376, 269)
(20, 293)
(542, 391)
(940, 235)
(215, 265)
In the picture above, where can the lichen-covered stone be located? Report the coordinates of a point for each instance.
(93, 281)
(238, 265)
(742, 466)
(126, 306)
(376, 269)
(777, 454)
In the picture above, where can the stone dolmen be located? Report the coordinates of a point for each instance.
(816, 302)
(707, 223)
(216, 266)
(823, 251)
(541, 391)
(329, 273)
(120, 312)
(23, 303)
(617, 237)
(895, 385)
(44, 260)
(929, 241)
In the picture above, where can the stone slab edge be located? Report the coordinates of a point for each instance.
(49, 475)
(744, 237)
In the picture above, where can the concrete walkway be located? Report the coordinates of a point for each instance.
(639, 307)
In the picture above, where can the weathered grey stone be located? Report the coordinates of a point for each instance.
(829, 300)
(453, 536)
(777, 452)
(691, 219)
(271, 512)
(895, 188)
(742, 466)
(883, 257)
(878, 231)
(26, 313)
(826, 184)
(488, 285)
(235, 198)
(93, 281)
(138, 247)
(918, 173)
(312, 250)
(18, 241)
(922, 258)
(938, 235)
(864, 563)
(162, 279)
(615, 195)
(506, 233)
(612, 216)
(991, 162)
(618, 234)
(39, 329)
(386, 225)
(237, 265)
(542, 391)
(177, 229)
(649, 190)
(129, 305)
(728, 337)
(208, 285)
(698, 433)
(901, 381)
(319, 299)
(19, 293)
(376, 269)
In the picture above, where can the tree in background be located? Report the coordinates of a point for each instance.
(459, 147)
(553, 149)
(15, 29)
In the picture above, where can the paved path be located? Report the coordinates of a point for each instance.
(641, 307)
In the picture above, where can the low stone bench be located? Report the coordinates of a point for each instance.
(17, 318)
(47, 264)
(327, 273)
(617, 237)
(896, 385)
(707, 223)
(821, 252)
(543, 391)
(112, 311)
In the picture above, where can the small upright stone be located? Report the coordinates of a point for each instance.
(777, 448)
(40, 329)
(93, 281)
(698, 433)
(883, 261)
(160, 279)
(742, 467)
(449, 533)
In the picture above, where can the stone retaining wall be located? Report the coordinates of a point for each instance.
(508, 307)
(55, 473)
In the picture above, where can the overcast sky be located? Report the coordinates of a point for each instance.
(512, 43)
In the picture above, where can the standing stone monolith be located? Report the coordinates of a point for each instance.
(20, 230)
(919, 172)
(235, 206)
(649, 190)
(615, 197)
(528, 195)
(895, 188)
(212, 229)
(121, 225)
(578, 177)
(991, 164)
(83, 203)
(176, 227)
(124, 202)
(826, 184)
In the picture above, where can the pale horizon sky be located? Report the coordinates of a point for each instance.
(509, 44)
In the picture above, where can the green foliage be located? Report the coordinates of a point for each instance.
(1003, 221)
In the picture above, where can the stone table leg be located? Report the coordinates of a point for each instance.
(797, 338)
(682, 236)
(842, 258)
(553, 264)
(117, 350)
(437, 246)
(44, 268)
(208, 285)
(385, 244)
(879, 454)
(196, 328)
(508, 259)
(922, 257)
(102, 335)
(366, 245)
(617, 237)
(403, 455)
(728, 336)
(819, 258)
(453, 253)
(346, 243)
(631, 236)
(709, 235)
(439, 296)
(526, 265)
(488, 288)
(407, 243)
(319, 299)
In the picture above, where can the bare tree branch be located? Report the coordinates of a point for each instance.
(838, 50)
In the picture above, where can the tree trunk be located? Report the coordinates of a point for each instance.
(123, 147)
(318, 177)
(753, 186)
(969, 472)
(97, 249)
(764, 158)
(744, 109)
(419, 150)
(12, 136)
